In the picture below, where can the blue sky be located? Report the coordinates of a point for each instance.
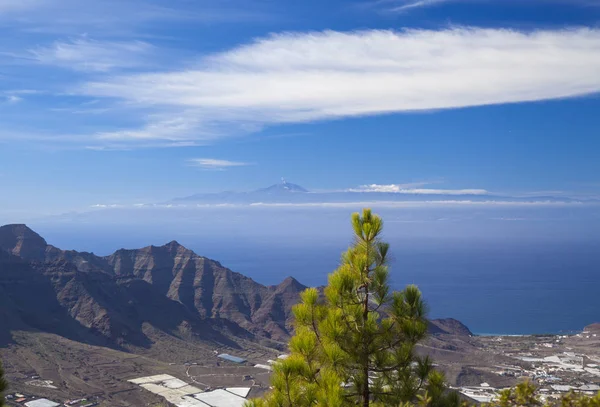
(129, 101)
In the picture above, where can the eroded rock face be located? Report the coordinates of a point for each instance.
(448, 326)
(168, 287)
(23, 242)
(210, 290)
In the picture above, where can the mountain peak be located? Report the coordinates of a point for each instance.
(174, 244)
(283, 187)
(292, 284)
(21, 241)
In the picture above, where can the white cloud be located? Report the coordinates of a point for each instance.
(84, 54)
(401, 6)
(106, 206)
(215, 164)
(390, 187)
(127, 147)
(364, 204)
(421, 204)
(25, 92)
(12, 99)
(404, 189)
(305, 77)
(168, 129)
(15, 96)
(405, 5)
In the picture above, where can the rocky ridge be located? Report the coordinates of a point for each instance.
(120, 299)
(111, 299)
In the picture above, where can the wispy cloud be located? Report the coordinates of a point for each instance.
(149, 144)
(359, 204)
(391, 187)
(12, 99)
(410, 189)
(422, 204)
(215, 164)
(167, 128)
(175, 128)
(305, 77)
(24, 92)
(404, 5)
(85, 54)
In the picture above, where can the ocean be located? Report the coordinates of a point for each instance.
(493, 288)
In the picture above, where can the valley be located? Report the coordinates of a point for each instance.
(477, 366)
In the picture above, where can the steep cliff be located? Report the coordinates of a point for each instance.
(110, 298)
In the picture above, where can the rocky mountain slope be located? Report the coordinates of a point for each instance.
(593, 328)
(448, 326)
(113, 299)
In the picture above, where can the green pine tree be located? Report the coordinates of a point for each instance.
(357, 345)
(3, 385)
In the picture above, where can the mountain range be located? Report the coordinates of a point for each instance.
(131, 297)
(110, 299)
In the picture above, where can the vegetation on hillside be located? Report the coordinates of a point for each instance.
(357, 345)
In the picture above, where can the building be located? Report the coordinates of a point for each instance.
(230, 358)
(41, 403)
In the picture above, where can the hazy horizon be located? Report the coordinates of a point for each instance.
(507, 283)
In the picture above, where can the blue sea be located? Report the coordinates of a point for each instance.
(492, 288)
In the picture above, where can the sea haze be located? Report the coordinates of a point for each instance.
(508, 270)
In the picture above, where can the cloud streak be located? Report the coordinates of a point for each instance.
(84, 54)
(304, 77)
(13, 99)
(406, 5)
(408, 189)
(358, 204)
(421, 204)
(403, 6)
(215, 164)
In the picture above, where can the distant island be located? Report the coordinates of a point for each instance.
(286, 192)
